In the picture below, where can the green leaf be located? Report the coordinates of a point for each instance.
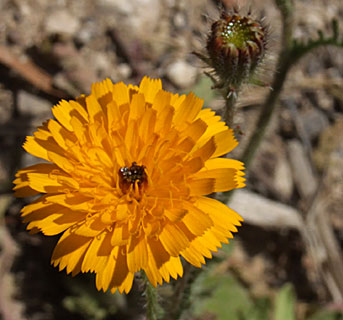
(284, 304)
(222, 296)
(202, 89)
(326, 315)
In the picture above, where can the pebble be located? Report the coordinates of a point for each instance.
(260, 211)
(181, 73)
(124, 70)
(314, 122)
(29, 104)
(140, 17)
(302, 171)
(282, 180)
(6, 103)
(62, 22)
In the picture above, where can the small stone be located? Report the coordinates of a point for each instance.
(100, 62)
(260, 211)
(283, 181)
(29, 104)
(181, 74)
(302, 170)
(124, 70)
(6, 103)
(138, 17)
(90, 30)
(314, 122)
(271, 171)
(179, 20)
(62, 22)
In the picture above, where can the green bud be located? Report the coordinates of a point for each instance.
(235, 47)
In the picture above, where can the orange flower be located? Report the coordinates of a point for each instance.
(126, 183)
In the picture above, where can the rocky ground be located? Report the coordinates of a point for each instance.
(293, 203)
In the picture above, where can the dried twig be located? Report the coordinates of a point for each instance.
(30, 72)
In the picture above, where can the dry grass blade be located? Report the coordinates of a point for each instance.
(29, 71)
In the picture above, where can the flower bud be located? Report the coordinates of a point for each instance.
(235, 47)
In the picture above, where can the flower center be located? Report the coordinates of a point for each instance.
(133, 176)
(237, 31)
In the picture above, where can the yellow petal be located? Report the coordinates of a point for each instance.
(225, 142)
(150, 87)
(161, 101)
(37, 204)
(61, 161)
(91, 227)
(22, 188)
(157, 252)
(62, 113)
(147, 125)
(120, 235)
(164, 120)
(113, 116)
(47, 178)
(70, 251)
(103, 91)
(76, 201)
(105, 276)
(195, 130)
(193, 165)
(153, 274)
(137, 107)
(137, 253)
(201, 187)
(196, 220)
(172, 267)
(193, 256)
(175, 214)
(126, 285)
(62, 136)
(92, 259)
(131, 138)
(121, 276)
(224, 178)
(94, 108)
(52, 222)
(220, 214)
(188, 110)
(32, 146)
(173, 239)
(79, 109)
(205, 151)
(120, 94)
(224, 163)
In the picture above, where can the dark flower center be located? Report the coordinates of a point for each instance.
(129, 175)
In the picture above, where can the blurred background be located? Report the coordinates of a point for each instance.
(286, 261)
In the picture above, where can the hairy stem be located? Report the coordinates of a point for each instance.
(153, 309)
(230, 107)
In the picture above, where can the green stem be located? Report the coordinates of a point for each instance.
(230, 97)
(286, 8)
(153, 309)
(284, 65)
(179, 301)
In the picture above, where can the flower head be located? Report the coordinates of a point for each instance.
(235, 47)
(128, 171)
